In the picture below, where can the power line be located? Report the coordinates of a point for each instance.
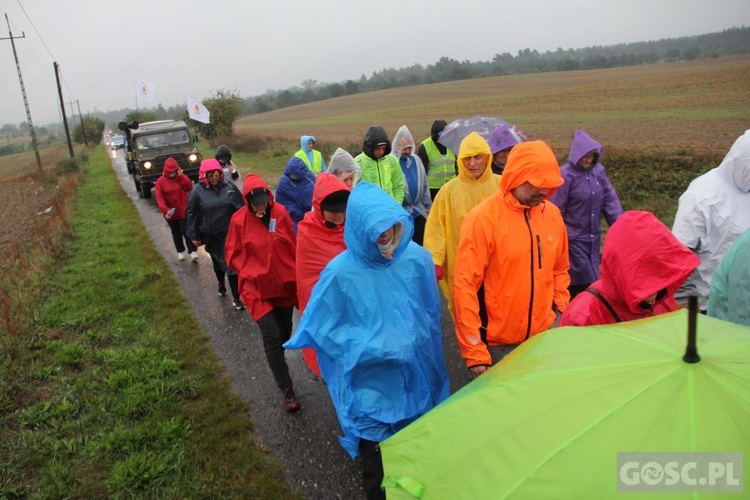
(37, 31)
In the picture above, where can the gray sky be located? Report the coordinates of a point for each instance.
(196, 47)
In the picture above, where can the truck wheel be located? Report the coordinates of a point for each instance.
(145, 190)
(137, 186)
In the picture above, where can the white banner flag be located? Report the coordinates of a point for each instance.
(145, 90)
(197, 111)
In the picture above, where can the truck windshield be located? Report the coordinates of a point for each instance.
(171, 138)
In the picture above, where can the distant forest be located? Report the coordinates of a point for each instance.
(727, 42)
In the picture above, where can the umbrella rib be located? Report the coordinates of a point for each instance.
(588, 428)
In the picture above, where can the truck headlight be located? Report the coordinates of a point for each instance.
(147, 165)
(193, 158)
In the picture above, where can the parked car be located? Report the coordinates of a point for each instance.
(118, 142)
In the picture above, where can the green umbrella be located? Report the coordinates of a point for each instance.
(550, 419)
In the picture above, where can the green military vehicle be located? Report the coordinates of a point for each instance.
(149, 144)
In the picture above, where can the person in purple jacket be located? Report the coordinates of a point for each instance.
(586, 196)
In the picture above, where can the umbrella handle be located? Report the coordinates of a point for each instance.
(691, 352)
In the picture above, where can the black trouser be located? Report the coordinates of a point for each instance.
(177, 227)
(419, 224)
(372, 469)
(233, 279)
(275, 329)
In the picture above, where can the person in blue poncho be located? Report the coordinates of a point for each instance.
(373, 320)
(295, 190)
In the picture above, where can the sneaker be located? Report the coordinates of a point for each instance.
(222, 289)
(193, 256)
(290, 401)
(181, 256)
(238, 305)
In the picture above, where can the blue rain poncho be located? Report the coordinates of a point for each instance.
(374, 323)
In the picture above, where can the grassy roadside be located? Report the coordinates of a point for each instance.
(114, 390)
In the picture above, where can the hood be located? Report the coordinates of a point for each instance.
(303, 142)
(472, 145)
(502, 138)
(325, 184)
(252, 182)
(735, 167)
(401, 140)
(296, 169)
(208, 165)
(375, 135)
(641, 256)
(370, 212)
(223, 153)
(437, 127)
(582, 144)
(170, 167)
(533, 162)
(341, 163)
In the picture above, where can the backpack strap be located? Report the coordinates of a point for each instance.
(604, 301)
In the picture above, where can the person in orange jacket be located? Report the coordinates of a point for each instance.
(514, 244)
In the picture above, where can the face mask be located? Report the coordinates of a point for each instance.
(385, 247)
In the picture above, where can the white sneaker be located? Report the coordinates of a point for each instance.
(193, 256)
(181, 256)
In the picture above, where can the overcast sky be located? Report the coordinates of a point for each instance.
(195, 47)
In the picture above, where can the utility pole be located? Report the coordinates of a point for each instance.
(23, 92)
(83, 127)
(62, 107)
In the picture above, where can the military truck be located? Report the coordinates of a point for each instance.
(149, 144)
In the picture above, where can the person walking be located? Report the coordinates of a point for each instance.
(295, 189)
(474, 183)
(583, 200)
(261, 249)
(210, 207)
(643, 265)
(501, 141)
(712, 213)
(224, 156)
(172, 190)
(417, 200)
(379, 167)
(343, 166)
(374, 321)
(730, 286)
(439, 161)
(311, 156)
(513, 245)
(320, 237)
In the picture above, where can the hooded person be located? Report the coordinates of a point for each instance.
(730, 286)
(501, 141)
(172, 190)
(453, 202)
(417, 200)
(312, 157)
(583, 200)
(379, 167)
(374, 321)
(643, 265)
(261, 248)
(712, 213)
(513, 245)
(295, 189)
(224, 156)
(439, 161)
(320, 237)
(343, 166)
(210, 207)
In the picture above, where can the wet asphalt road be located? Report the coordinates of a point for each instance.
(306, 442)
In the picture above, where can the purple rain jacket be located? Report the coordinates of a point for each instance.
(586, 196)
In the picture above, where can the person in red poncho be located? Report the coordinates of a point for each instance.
(320, 237)
(172, 190)
(261, 248)
(643, 264)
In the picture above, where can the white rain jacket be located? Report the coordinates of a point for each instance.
(713, 212)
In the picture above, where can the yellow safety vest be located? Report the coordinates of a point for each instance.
(317, 165)
(440, 168)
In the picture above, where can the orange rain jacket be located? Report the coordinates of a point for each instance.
(519, 253)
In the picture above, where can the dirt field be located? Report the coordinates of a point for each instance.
(24, 196)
